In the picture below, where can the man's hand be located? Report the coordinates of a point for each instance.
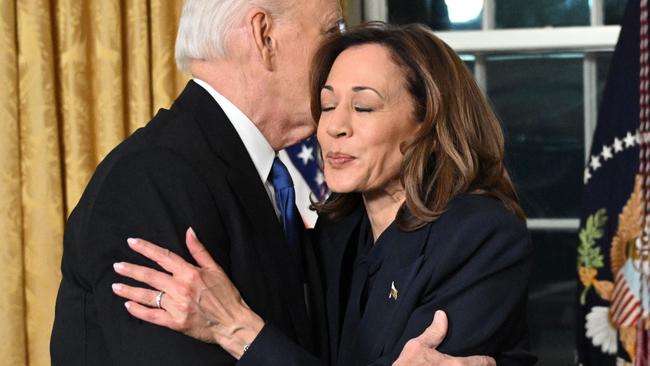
(422, 349)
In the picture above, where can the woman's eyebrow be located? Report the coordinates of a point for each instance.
(357, 89)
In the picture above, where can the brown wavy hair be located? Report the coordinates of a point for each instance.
(460, 147)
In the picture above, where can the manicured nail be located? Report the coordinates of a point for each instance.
(117, 287)
(127, 304)
(193, 234)
(118, 266)
(132, 241)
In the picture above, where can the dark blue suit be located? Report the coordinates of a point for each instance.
(473, 263)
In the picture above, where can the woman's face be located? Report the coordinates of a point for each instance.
(367, 113)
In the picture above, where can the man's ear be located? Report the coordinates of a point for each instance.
(265, 43)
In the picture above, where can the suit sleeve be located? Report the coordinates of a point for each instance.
(483, 289)
(156, 196)
(271, 347)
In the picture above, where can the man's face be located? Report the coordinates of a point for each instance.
(306, 27)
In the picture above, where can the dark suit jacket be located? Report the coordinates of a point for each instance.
(187, 167)
(473, 263)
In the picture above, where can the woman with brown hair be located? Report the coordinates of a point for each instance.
(423, 217)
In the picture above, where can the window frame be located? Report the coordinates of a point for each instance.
(588, 40)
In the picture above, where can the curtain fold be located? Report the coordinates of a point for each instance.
(166, 79)
(12, 300)
(106, 78)
(76, 102)
(137, 67)
(41, 167)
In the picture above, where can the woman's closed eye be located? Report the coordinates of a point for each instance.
(327, 108)
(363, 109)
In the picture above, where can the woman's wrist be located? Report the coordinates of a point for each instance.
(238, 336)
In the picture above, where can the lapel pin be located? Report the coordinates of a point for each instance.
(393, 291)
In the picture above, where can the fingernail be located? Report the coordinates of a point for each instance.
(118, 266)
(117, 287)
(193, 234)
(132, 241)
(437, 316)
(127, 305)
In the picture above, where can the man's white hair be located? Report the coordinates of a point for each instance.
(205, 25)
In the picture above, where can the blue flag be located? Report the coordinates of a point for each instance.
(612, 289)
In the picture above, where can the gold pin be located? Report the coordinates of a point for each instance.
(393, 291)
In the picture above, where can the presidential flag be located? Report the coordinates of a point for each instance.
(612, 312)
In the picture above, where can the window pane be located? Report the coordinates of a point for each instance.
(540, 103)
(541, 13)
(437, 14)
(469, 60)
(552, 297)
(614, 11)
(602, 70)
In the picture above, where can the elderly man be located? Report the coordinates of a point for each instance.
(203, 163)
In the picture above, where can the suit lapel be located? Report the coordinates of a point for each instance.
(245, 183)
(335, 238)
(402, 262)
(316, 297)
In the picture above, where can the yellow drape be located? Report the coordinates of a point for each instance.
(76, 77)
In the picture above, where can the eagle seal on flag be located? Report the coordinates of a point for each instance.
(625, 294)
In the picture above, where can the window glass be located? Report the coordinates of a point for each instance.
(539, 100)
(467, 14)
(552, 297)
(614, 11)
(603, 59)
(541, 13)
(437, 14)
(469, 60)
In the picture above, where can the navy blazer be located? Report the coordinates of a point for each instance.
(187, 167)
(473, 262)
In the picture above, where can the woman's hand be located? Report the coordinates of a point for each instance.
(200, 302)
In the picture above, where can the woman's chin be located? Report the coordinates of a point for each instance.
(343, 180)
(340, 187)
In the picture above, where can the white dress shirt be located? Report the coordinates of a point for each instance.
(256, 145)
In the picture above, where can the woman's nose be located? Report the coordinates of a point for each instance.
(339, 124)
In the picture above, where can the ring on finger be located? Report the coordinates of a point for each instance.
(159, 299)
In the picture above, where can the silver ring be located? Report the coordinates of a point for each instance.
(159, 299)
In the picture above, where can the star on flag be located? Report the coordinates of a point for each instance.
(306, 154)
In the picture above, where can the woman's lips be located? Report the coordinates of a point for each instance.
(338, 160)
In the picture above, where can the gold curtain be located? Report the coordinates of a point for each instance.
(76, 77)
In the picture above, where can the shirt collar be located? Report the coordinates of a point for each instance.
(255, 143)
